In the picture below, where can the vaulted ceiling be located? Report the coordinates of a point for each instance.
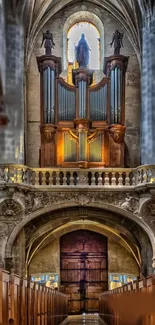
(127, 13)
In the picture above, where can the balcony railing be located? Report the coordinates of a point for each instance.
(55, 177)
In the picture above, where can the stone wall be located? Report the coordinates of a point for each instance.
(48, 260)
(56, 25)
(121, 261)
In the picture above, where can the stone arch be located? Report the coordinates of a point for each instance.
(58, 206)
(83, 16)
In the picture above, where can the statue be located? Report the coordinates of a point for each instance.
(117, 40)
(82, 52)
(49, 44)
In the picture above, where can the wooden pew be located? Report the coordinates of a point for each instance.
(4, 297)
(23, 302)
(130, 304)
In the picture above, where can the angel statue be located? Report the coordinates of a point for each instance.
(49, 43)
(118, 43)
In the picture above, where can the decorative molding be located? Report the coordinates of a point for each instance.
(9, 208)
(149, 213)
(35, 201)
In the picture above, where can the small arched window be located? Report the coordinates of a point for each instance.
(92, 36)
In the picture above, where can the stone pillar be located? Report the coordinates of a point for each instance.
(148, 89)
(18, 253)
(146, 256)
(13, 144)
(3, 117)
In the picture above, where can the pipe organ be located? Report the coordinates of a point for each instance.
(82, 125)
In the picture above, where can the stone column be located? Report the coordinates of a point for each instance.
(148, 89)
(3, 117)
(13, 144)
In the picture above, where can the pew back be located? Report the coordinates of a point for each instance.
(23, 302)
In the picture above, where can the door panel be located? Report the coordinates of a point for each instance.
(84, 270)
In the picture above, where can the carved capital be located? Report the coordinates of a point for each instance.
(153, 262)
(117, 132)
(48, 131)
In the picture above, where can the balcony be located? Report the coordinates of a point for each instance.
(70, 177)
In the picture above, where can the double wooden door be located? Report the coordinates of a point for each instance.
(84, 271)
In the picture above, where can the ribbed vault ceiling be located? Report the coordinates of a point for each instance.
(125, 12)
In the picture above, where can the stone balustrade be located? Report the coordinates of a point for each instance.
(55, 177)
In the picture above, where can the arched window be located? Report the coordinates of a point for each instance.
(92, 36)
(93, 29)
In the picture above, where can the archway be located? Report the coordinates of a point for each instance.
(44, 226)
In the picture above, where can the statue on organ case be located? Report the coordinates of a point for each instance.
(118, 43)
(82, 52)
(49, 43)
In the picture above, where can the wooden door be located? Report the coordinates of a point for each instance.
(84, 270)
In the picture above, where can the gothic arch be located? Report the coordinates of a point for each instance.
(76, 18)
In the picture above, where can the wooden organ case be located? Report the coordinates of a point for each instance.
(82, 125)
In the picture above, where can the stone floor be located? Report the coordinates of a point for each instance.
(83, 320)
